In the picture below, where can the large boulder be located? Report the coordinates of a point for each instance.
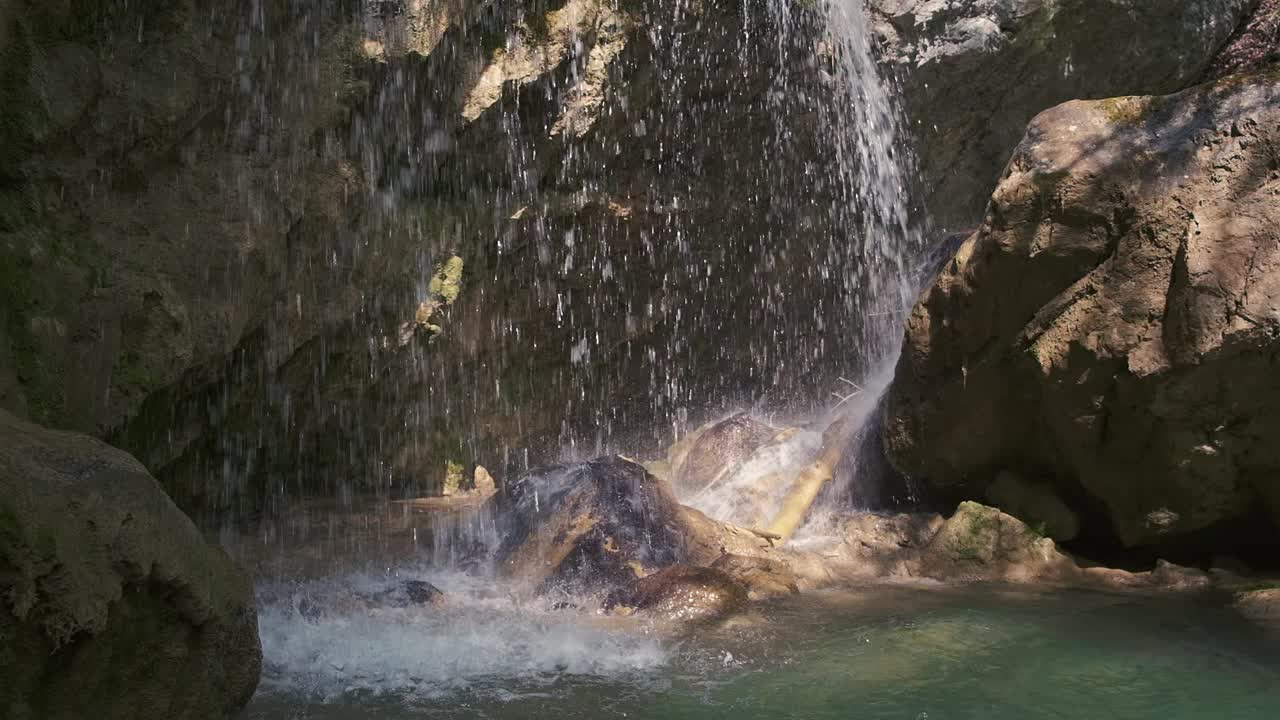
(974, 72)
(980, 543)
(595, 526)
(590, 526)
(111, 603)
(1113, 328)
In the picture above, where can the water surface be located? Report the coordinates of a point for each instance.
(895, 652)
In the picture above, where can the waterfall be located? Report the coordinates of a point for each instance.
(872, 246)
(861, 125)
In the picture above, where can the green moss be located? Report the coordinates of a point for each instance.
(1125, 110)
(972, 540)
(446, 284)
(133, 372)
(452, 477)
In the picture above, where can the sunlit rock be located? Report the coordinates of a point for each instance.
(547, 40)
(974, 72)
(1259, 604)
(113, 605)
(394, 28)
(982, 543)
(1118, 342)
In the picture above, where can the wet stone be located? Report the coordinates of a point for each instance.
(589, 527)
(682, 594)
(720, 450)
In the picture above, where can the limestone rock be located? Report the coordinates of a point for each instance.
(974, 72)
(1114, 320)
(113, 606)
(982, 543)
(681, 593)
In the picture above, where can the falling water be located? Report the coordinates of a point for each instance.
(875, 244)
(632, 268)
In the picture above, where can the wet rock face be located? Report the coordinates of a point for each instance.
(399, 596)
(1112, 327)
(974, 72)
(680, 594)
(221, 266)
(762, 577)
(113, 604)
(589, 526)
(719, 450)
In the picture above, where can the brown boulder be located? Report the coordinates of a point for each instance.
(590, 526)
(1114, 325)
(974, 72)
(681, 593)
(1259, 604)
(763, 577)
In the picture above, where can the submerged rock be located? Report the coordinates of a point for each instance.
(1115, 320)
(681, 593)
(113, 604)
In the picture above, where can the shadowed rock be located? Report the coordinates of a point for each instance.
(681, 593)
(113, 605)
(408, 594)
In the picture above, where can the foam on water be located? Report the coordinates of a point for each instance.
(481, 641)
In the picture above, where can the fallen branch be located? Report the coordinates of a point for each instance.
(810, 481)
